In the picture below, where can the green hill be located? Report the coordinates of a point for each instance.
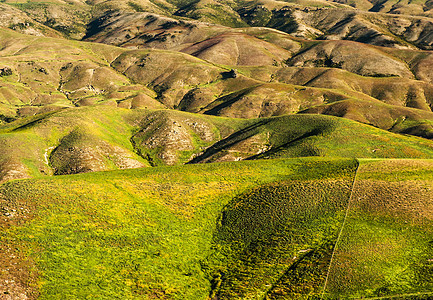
(388, 220)
(216, 149)
(284, 229)
(99, 138)
(131, 234)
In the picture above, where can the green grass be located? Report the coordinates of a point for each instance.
(148, 232)
(267, 234)
(319, 135)
(266, 229)
(117, 138)
(386, 245)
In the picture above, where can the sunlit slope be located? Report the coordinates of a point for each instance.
(395, 96)
(385, 248)
(171, 232)
(42, 74)
(68, 142)
(313, 135)
(102, 138)
(284, 229)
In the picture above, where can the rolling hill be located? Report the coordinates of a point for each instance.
(283, 229)
(103, 138)
(216, 149)
(36, 81)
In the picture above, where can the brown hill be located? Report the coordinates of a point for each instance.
(389, 117)
(17, 20)
(353, 57)
(253, 46)
(238, 49)
(392, 90)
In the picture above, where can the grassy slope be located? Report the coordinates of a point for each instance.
(105, 138)
(386, 245)
(35, 140)
(314, 135)
(131, 234)
(231, 230)
(101, 138)
(267, 234)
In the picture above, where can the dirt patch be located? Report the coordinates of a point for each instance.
(164, 136)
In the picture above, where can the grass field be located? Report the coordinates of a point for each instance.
(155, 232)
(386, 244)
(104, 138)
(266, 229)
(167, 149)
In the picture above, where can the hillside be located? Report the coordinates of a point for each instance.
(37, 81)
(103, 138)
(216, 149)
(165, 247)
(238, 230)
